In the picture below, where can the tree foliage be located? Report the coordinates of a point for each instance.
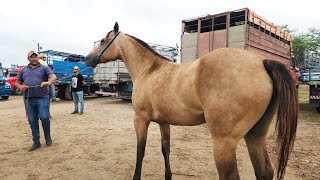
(304, 42)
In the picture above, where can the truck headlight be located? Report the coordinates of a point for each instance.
(7, 86)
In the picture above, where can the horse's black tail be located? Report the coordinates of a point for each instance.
(285, 93)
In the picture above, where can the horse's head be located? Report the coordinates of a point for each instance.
(106, 51)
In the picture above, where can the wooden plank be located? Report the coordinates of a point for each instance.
(188, 54)
(189, 40)
(203, 43)
(219, 39)
(236, 34)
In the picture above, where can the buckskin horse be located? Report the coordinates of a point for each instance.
(235, 92)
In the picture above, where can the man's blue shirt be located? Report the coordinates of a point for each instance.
(34, 77)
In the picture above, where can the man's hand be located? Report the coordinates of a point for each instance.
(45, 84)
(23, 87)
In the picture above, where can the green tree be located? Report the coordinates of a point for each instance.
(299, 48)
(303, 42)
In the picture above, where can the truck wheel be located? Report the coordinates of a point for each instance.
(5, 97)
(17, 91)
(60, 93)
(318, 109)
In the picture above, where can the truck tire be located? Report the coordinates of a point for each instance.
(68, 92)
(17, 91)
(64, 92)
(5, 97)
(318, 109)
(60, 93)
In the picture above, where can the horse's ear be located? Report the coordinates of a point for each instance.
(116, 28)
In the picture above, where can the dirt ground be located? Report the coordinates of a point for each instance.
(101, 144)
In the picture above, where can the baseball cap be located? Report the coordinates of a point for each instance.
(30, 53)
(76, 67)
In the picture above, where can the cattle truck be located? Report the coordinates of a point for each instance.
(62, 64)
(114, 79)
(241, 28)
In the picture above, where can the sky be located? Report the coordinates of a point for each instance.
(73, 25)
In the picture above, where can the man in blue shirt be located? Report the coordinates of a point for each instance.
(33, 81)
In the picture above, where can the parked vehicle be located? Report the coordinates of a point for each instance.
(235, 29)
(114, 79)
(311, 76)
(62, 64)
(11, 75)
(5, 88)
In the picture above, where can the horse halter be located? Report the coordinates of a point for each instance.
(110, 42)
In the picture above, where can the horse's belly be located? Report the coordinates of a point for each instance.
(180, 118)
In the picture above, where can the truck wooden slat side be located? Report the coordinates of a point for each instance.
(237, 29)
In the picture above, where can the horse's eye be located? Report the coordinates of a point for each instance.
(102, 41)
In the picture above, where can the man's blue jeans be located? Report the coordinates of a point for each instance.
(78, 97)
(38, 108)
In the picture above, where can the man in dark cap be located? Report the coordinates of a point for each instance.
(33, 81)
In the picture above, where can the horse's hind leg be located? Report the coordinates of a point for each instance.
(165, 141)
(225, 158)
(259, 157)
(256, 143)
(141, 126)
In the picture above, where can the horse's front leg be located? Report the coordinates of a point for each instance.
(165, 141)
(141, 126)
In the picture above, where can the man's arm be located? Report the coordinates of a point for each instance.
(82, 80)
(19, 85)
(52, 78)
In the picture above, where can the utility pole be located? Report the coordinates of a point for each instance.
(38, 45)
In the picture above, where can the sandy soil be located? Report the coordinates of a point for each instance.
(101, 144)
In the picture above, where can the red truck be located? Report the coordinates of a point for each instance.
(11, 75)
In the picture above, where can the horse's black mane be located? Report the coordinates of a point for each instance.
(144, 44)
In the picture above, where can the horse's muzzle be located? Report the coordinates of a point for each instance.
(91, 61)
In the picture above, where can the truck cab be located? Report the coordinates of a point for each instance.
(5, 88)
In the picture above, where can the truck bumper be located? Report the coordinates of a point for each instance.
(314, 92)
(5, 92)
(105, 93)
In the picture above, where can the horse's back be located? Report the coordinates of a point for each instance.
(229, 68)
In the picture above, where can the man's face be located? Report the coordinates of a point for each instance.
(75, 71)
(33, 59)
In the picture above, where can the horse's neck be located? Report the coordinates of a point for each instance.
(137, 58)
